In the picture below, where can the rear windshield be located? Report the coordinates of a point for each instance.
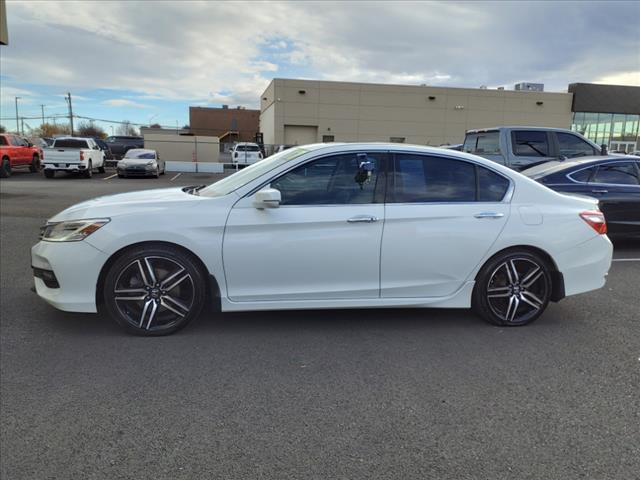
(70, 143)
(149, 155)
(247, 148)
(482, 143)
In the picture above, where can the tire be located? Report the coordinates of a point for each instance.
(5, 168)
(513, 288)
(48, 173)
(101, 169)
(148, 307)
(157, 174)
(35, 164)
(88, 173)
(120, 175)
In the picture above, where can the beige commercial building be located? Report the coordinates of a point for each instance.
(306, 111)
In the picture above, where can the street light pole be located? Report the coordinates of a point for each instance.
(42, 106)
(17, 120)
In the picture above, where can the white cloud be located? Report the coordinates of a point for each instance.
(623, 78)
(123, 102)
(189, 51)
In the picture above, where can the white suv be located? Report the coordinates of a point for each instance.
(245, 153)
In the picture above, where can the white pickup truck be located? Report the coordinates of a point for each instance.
(73, 154)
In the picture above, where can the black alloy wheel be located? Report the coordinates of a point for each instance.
(154, 290)
(512, 289)
(5, 168)
(35, 164)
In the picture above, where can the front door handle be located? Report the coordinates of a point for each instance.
(599, 190)
(489, 215)
(363, 219)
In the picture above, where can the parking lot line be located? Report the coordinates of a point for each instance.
(176, 176)
(626, 260)
(107, 178)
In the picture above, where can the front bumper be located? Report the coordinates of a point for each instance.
(76, 266)
(136, 172)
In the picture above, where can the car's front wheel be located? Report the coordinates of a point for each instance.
(512, 289)
(154, 290)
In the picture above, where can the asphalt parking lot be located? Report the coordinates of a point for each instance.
(424, 394)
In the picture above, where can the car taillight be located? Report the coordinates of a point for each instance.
(235, 155)
(596, 220)
(81, 155)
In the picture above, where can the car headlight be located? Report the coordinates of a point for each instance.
(150, 163)
(72, 231)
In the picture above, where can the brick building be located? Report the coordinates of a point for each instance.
(228, 124)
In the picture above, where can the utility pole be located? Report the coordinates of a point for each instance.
(22, 130)
(68, 98)
(17, 121)
(42, 106)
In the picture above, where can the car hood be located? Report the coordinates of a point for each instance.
(128, 203)
(135, 161)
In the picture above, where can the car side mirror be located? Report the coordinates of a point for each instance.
(267, 198)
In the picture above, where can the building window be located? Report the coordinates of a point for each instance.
(328, 138)
(397, 139)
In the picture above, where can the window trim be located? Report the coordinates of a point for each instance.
(391, 170)
(597, 167)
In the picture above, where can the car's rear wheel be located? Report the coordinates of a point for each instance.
(88, 173)
(101, 169)
(48, 173)
(154, 290)
(5, 168)
(512, 288)
(35, 164)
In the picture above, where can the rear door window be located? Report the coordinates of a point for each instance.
(3, 141)
(421, 179)
(492, 187)
(530, 143)
(572, 146)
(619, 173)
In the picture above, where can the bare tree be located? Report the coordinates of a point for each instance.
(89, 129)
(126, 129)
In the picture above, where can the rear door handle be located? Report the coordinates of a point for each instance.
(489, 215)
(363, 219)
(599, 190)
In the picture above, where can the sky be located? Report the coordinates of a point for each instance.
(148, 61)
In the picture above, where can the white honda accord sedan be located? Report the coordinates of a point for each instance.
(327, 226)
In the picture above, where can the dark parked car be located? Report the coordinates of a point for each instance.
(104, 146)
(119, 145)
(614, 180)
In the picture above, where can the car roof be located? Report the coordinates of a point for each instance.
(519, 127)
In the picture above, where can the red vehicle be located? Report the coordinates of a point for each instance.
(16, 152)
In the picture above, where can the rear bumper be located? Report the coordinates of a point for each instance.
(585, 266)
(67, 167)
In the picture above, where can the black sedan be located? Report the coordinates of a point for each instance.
(614, 180)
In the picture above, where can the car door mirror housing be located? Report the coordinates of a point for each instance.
(267, 198)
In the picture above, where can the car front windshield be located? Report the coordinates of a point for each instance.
(143, 155)
(250, 173)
